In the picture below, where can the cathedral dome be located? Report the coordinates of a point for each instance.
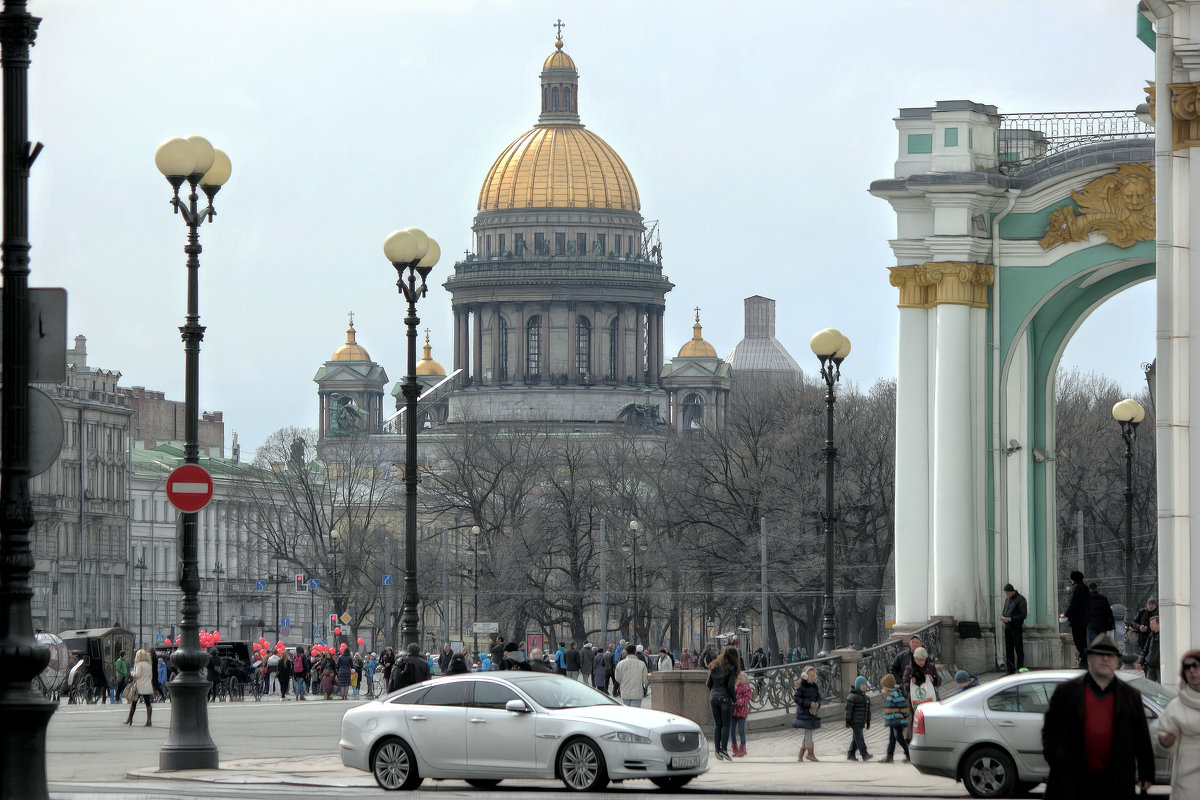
(697, 347)
(427, 367)
(351, 350)
(558, 163)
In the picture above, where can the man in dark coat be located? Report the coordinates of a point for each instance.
(587, 658)
(1100, 615)
(1095, 738)
(1150, 658)
(1077, 615)
(1013, 616)
(1141, 623)
(409, 669)
(904, 659)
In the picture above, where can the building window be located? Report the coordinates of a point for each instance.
(600, 248)
(614, 337)
(554, 98)
(519, 244)
(583, 346)
(500, 242)
(560, 244)
(539, 244)
(617, 244)
(502, 347)
(581, 244)
(567, 98)
(691, 412)
(487, 246)
(545, 98)
(533, 347)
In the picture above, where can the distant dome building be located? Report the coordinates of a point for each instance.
(698, 383)
(350, 390)
(760, 359)
(558, 314)
(430, 411)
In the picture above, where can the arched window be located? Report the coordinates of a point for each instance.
(614, 337)
(502, 347)
(545, 98)
(533, 347)
(554, 98)
(691, 412)
(583, 346)
(567, 98)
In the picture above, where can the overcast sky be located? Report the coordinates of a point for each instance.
(753, 131)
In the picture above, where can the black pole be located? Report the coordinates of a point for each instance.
(218, 571)
(475, 603)
(24, 711)
(189, 745)
(409, 620)
(831, 372)
(1129, 434)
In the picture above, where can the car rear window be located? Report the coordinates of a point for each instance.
(453, 693)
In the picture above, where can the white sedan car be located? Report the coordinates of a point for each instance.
(990, 737)
(488, 726)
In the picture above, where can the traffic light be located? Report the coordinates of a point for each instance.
(301, 584)
(333, 621)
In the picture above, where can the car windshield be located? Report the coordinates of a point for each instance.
(1159, 694)
(551, 691)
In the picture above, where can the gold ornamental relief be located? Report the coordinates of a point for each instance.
(943, 282)
(1118, 206)
(1185, 116)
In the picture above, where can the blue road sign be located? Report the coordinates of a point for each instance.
(313, 584)
(286, 622)
(387, 580)
(260, 586)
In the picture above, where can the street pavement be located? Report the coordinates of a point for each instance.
(274, 749)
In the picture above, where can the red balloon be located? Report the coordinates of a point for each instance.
(360, 641)
(337, 631)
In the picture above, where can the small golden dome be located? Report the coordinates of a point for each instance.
(558, 59)
(351, 350)
(427, 366)
(697, 347)
(559, 166)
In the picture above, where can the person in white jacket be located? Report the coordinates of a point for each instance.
(1180, 728)
(632, 675)
(143, 682)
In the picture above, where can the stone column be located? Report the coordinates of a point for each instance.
(639, 346)
(518, 343)
(599, 363)
(496, 370)
(658, 343)
(476, 312)
(620, 344)
(457, 344)
(572, 340)
(544, 342)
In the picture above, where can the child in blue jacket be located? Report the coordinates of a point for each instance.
(895, 716)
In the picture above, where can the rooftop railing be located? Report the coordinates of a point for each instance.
(1028, 138)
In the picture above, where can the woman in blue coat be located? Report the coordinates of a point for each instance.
(808, 701)
(345, 665)
(598, 674)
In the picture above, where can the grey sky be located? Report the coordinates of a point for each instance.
(752, 130)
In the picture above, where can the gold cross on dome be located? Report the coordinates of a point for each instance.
(697, 313)
(351, 319)
(560, 25)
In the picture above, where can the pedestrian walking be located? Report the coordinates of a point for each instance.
(722, 691)
(345, 667)
(1100, 615)
(458, 664)
(807, 697)
(273, 673)
(920, 682)
(895, 717)
(587, 662)
(1179, 729)
(632, 675)
(369, 667)
(1095, 738)
(1077, 615)
(328, 677)
(610, 666)
(1149, 660)
(685, 659)
(904, 658)
(858, 719)
(1016, 608)
(1141, 623)
(599, 672)
(143, 685)
(286, 669)
(741, 710)
(665, 662)
(215, 669)
(571, 662)
(122, 670)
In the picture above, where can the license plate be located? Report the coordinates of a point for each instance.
(685, 762)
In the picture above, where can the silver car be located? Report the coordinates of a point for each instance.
(990, 737)
(487, 726)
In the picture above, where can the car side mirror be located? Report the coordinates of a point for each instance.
(516, 705)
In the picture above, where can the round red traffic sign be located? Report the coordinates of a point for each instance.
(189, 488)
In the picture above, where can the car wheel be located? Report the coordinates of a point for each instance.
(581, 766)
(483, 783)
(672, 782)
(394, 767)
(988, 772)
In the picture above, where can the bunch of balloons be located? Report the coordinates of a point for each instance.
(207, 639)
(264, 648)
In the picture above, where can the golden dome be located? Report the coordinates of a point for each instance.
(559, 166)
(697, 347)
(558, 59)
(351, 350)
(427, 366)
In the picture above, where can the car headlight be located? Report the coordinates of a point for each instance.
(627, 737)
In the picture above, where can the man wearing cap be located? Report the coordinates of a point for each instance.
(1013, 617)
(1095, 738)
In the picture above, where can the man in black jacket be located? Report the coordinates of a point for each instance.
(1013, 616)
(1141, 623)
(587, 662)
(1100, 615)
(409, 669)
(1095, 738)
(1149, 659)
(904, 659)
(1077, 615)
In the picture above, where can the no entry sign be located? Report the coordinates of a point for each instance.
(189, 488)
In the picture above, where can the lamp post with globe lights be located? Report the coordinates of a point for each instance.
(631, 545)
(189, 746)
(414, 255)
(1128, 414)
(831, 348)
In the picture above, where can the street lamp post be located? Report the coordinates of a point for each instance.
(1128, 414)
(140, 566)
(277, 578)
(631, 545)
(413, 254)
(334, 549)
(218, 571)
(475, 531)
(831, 348)
(189, 745)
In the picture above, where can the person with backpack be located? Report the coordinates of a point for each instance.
(410, 668)
(300, 666)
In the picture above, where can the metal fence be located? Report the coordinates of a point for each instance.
(1027, 138)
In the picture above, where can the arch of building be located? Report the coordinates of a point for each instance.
(997, 268)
